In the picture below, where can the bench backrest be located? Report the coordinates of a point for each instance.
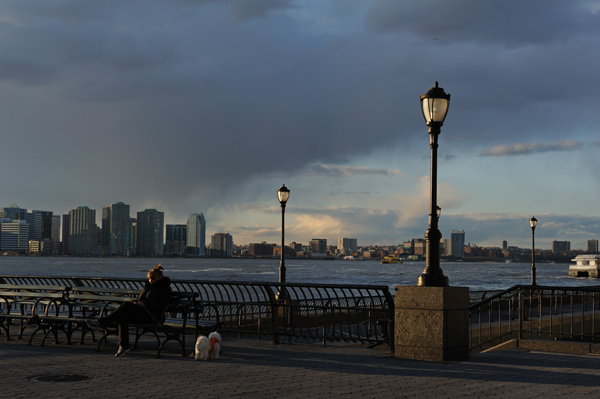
(101, 294)
(33, 291)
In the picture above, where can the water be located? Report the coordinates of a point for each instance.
(477, 276)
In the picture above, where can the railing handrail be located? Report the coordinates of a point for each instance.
(349, 312)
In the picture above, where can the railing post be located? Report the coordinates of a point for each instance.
(521, 306)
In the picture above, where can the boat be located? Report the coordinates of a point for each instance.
(586, 266)
(391, 259)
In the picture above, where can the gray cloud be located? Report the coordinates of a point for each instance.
(348, 171)
(511, 22)
(531, 148)
(177, 104)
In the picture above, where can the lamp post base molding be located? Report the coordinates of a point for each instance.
(432, 323)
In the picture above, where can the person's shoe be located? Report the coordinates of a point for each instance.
(95, 325)
(122, 351)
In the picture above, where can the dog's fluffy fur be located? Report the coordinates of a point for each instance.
(208, 347)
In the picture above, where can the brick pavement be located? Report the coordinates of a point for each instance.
(251, 368)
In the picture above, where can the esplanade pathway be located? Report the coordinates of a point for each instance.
(251, 368)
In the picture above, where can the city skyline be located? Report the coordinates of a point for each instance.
(210, 106)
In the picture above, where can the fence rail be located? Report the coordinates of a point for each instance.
(538, 312)
(334, 312)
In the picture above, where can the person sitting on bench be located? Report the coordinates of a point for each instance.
(148, 308)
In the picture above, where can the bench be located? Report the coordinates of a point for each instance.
(175, 323)
(67, 309)
(28, 303)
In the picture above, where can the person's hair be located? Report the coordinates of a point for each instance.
(156, 272)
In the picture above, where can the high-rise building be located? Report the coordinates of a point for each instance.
(196, 233)
(150, 227)
(262, 249)
(347, 246)
(14, 235)
(457, 243)
(82, 231)
(592, 246)
(13, 212)
(504, 245)
(66, 228)
(445, 246)
(221, 245)
(318, 246)
(561, 246)
(175, 239)
(118, 229)
(55, 236)
(105, 242)
(34, 219)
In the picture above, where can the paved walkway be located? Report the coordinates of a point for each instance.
(250, 368)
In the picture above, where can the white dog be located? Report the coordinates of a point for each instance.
(208, 347)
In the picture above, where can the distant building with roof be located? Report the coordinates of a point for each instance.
(150, 227)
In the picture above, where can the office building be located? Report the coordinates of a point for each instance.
(105, 241)
(221, 245)
(82, 231)
(55, 235)
(561, 246)
(118, 229)
(13, 212)
(592, 246)
(445, 246)
(262, 249)
(66, 226)
(457, 243)
(175, 239)
(150, 227)
(196, 233)
(318, 247)
(14, 235)
(418, 246)
(347, 246)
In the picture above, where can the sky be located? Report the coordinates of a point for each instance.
(211, 105)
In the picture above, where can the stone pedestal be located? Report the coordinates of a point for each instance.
(432, 323)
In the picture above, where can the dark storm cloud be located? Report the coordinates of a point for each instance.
(510, 23)
(244, 10)
(185, 101)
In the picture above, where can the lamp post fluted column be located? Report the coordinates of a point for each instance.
(434, 105)
(533, 223)
(283, 194)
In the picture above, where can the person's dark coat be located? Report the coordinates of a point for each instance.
(156, 296)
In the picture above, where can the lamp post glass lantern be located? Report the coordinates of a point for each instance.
(434, 105)
(532, 224)
(283, 194)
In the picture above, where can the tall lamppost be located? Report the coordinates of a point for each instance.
(283, 194)
(533, 223)
(434, 105)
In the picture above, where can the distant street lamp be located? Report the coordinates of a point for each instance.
(533, 223)
(283, 194)
(434, 105)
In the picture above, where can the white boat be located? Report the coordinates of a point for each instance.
(586, 266)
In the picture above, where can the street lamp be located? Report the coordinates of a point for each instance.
(533, 223)
(283, 194)
(434, 105)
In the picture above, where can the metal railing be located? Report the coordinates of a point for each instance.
(332, 312)
(536, 312)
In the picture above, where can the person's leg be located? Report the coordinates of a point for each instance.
(123, 315)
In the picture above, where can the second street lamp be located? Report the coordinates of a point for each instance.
(533, 223)
(283, 194)
(434, 105)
